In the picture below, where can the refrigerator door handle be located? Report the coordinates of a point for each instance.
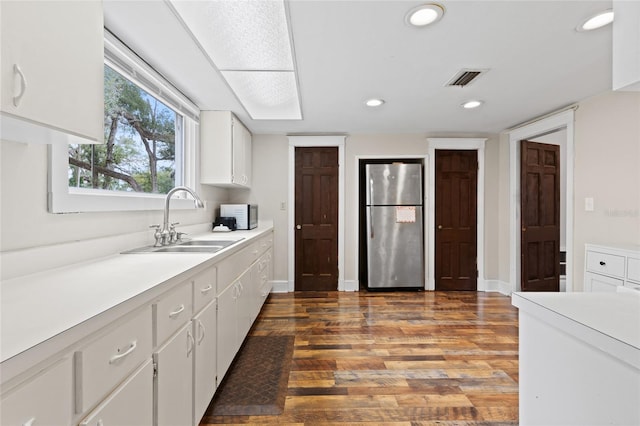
(371, 208)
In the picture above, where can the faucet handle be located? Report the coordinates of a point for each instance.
(175, 223)
(157, 235)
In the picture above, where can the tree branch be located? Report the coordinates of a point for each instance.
(111, 173)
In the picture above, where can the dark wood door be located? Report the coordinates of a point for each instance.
(456, 220)
(316, 214)
(540, 216)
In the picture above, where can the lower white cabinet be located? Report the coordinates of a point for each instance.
(608, 268)
(204, 363)
(130, 404)
(227, 332)
(45, 399)
(174, 382)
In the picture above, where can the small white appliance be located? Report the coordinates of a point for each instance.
(246, 214)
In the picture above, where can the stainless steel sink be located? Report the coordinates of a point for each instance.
(192, 246)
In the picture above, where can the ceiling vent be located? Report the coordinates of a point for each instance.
(465, 77)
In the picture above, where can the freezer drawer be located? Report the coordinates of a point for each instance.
(395, 246)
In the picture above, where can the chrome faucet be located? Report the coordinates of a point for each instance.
(168, 232)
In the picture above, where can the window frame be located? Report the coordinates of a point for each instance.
(64, 199)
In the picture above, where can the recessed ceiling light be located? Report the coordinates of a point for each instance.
(472, 104)
(374, 102)
(425, 14)
(596, 21)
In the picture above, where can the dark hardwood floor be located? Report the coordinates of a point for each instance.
(400, 358)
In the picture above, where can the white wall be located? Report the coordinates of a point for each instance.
(270, 189)
(607, 169)
(26, 223)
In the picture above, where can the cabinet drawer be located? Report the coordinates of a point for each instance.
(105, 362)
(171, 311)
(608, 264)
(232, 267)
(633, 269)
(45, 399)
(204, 289)
(601, 283)
(130, 404)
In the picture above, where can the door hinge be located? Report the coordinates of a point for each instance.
(477, 274)
(155, 369)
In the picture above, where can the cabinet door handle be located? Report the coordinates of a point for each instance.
(23, 87)
(132, 348)
(176, 312)
(207, 289)
(29, 422)
(190, 343)
(202, 330)
(603, 263)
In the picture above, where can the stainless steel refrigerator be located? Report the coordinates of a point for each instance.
(395, 236)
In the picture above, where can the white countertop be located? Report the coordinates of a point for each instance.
(610, 321)
(37, 307)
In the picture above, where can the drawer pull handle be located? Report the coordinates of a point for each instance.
(207, 289)
(176, 312)
(603, 263)
(132, 348)
(30, 422)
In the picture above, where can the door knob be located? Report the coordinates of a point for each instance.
(298, 227)
(439, 226)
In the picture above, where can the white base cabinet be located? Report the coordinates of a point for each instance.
(608, 268)
(173, 386)
(130, 404)
(204, 363)
(45, 399)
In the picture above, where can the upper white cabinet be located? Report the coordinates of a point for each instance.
(626, 46)
(225, 150)
(52, 71)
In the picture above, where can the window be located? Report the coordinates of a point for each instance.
(150, 144)
(141, 138)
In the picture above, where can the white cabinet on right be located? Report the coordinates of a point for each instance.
(607, 268)
(225, 150)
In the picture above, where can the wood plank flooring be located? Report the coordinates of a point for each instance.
(395, 358)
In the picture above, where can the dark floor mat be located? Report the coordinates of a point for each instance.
(256, 383)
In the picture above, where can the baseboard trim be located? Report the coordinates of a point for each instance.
(351, 285)
(496, 286)
(279, 286)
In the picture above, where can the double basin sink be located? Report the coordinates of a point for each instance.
(192, 246)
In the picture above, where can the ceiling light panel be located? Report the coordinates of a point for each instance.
(249, 42)
(266, 95)
(240, 34)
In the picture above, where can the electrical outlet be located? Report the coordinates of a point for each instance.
(588, 204)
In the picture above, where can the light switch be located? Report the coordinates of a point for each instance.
(283, 205)
(588, 204)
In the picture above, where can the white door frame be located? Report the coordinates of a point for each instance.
(315, 141)
(559, 121)
(476, 144)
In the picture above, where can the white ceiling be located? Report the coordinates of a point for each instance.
(349, 51)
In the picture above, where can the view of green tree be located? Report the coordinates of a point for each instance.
(140, 143)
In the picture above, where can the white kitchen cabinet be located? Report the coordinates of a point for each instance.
(44, 399)
(52, 71)
(110, 358)
(130, 404)
(225, 150)
(204, 366)
(173, 387)
(171, 311)
(609, 267)
(227, 330)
